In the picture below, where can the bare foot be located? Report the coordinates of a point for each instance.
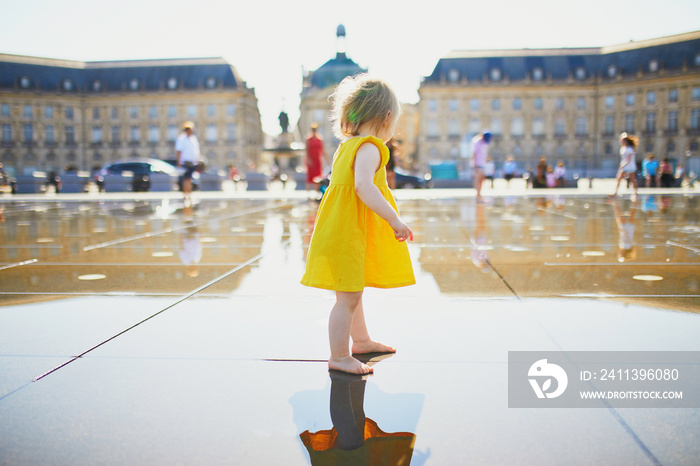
(371, 346)
(350, 365)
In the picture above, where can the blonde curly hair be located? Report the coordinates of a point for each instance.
(360, 99)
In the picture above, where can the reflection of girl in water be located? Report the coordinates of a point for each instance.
(354, 438)
(625, 227)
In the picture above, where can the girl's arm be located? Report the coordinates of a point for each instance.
(367, 162)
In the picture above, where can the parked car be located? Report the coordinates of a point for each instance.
(141, 169)
(404, 181)
(180, 172)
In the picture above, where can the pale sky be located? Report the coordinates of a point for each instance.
(270, 41)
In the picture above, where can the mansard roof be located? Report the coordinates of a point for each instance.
(671, 53)
(49, 74)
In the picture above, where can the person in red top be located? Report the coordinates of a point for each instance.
(314, 158)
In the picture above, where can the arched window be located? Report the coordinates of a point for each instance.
(495, 74)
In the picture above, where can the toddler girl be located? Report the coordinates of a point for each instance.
(359, 238)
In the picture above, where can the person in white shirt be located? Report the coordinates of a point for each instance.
(187, 155)
(479, 155)
(628, 165)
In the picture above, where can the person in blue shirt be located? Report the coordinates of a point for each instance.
(650, 169)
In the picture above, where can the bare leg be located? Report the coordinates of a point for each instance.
(620, 174)
(187, 190)
(339, 327)
(633, 178)
(361, 341)
(478, 181)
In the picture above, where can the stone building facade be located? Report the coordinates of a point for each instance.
(59, 113)
(566, 104)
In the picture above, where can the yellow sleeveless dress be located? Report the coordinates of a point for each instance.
(352, 247)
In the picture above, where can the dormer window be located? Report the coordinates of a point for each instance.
(67, 85)
(495, 74)
(697, 59)
(211, 83)
(97, 86)
(653, 65)
(453, 76)
(612, 71)
(172, 83)
(537, 74)
(25, 82)
(580, 73)
(134, 84)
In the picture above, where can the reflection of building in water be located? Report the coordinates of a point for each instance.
(542, 251)
(137, 250)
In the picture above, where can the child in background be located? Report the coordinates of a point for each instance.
(359, 239)
(550, 177)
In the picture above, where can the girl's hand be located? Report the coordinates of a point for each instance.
(402, 232)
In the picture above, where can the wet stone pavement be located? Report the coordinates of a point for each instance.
(142, 332)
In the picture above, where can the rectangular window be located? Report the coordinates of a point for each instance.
(474, 105)
(629, 122)
(152, 112)
(5, 110)
(231, 110)
(28, 132)
(135, 134)
(516, 127)
(432, 105)
(231, 132)
(211, 110)
(559, 103)
(609, 124)
(474, 126)
(172, 111)
(695, 119)
(673, 120)
(538, 103)
(153, 133)
(27, 111)
(116, 130)
(581, 126)
(673, 96)
(50, 134)
(517, 103)
(191, 111)
(48, 111)
(453, 128)
(454, 105)
(6, 132)
(696, 93)
(496, 104)
(560, 127)
(69, 113)
(211, 133)
(650, 123)
(581, 103)
(115, 113)
(134, 112)
(96, 134)
(496, 126)
(433, 129)
(651, 98)
(70, 135)
(609, 101)
(172, 133)
(538, 127)
(629, 100)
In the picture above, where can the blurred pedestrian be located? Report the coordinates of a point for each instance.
(666, 173)
(560, 174)
(187, 156)
(628, 166)
(315, 153)
(650, 171)
(480, 153)
(540, 180)
(509, 168)
(550, 178)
